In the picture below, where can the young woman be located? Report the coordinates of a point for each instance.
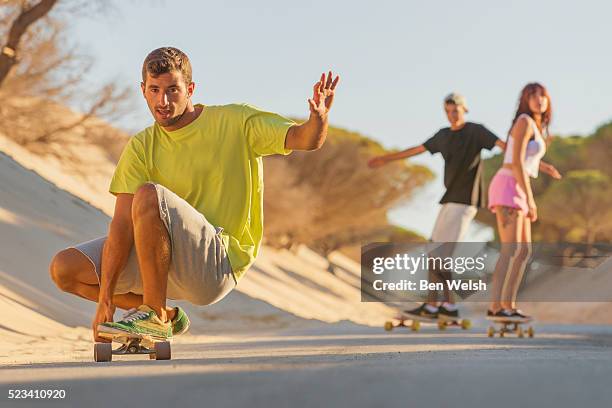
(511, 197)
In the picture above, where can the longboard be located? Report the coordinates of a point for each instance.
(157, 349)
(509, 326)
(414, 322)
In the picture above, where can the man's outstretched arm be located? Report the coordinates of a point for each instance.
(311, 134)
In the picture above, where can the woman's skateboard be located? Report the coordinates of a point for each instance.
(509, 326)
(414, 322)
(157, 349)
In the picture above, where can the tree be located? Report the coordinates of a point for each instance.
(38, 70)
(332, 199)
(28, 15)
(580, 203)
(599, 148)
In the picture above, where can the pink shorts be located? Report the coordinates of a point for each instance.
(505, 191)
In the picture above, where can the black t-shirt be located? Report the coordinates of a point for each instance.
(462, 165)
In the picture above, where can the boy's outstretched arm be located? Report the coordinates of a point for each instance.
(404, 154)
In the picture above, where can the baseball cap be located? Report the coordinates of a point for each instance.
(456, 99)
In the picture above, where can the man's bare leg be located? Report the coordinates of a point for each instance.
(432, 295)
(441, 275)
(447, 250)
(152, 248)
(73, 273)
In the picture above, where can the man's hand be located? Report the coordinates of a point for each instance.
(323, 95)
(104, 313)
(311, 134)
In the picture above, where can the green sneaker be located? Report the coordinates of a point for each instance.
(142, 321)
(180, 322)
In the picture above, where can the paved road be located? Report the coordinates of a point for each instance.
(342, 366)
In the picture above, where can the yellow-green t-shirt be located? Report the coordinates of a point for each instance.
(215, 164)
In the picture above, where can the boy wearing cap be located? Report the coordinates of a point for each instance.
(460, 146)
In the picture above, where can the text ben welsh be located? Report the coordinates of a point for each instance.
(451, 284)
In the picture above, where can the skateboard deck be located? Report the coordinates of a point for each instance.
(414, 322)
(510, 326)
(157, 349)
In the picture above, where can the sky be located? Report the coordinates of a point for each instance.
(397, 60)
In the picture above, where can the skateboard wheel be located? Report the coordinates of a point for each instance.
(388, 326)
(490, 331)
(466, 324)
(530, 331)
(416, 325)
(103, 352)
(162, 350)
(441, 325)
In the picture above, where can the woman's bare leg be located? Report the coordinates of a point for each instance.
(520, 265)
(510, 226)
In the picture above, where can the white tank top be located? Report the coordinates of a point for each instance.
(535, 149)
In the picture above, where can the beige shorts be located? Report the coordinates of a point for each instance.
(200, 271)
(453, 222)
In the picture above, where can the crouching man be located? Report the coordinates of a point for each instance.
(188, 219)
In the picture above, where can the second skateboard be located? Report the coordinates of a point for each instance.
(414, 322)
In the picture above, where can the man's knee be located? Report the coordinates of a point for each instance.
(63, 269)
(145, 202)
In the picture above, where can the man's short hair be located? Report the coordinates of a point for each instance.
(165, 60)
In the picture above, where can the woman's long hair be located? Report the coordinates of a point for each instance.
(523, 107)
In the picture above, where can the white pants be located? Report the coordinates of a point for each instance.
(453, 222)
